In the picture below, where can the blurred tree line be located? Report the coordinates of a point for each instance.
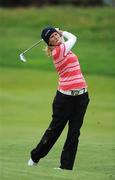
(15, 3)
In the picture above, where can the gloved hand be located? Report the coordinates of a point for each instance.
(60, 32)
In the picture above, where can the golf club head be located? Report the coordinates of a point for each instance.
(22, 57)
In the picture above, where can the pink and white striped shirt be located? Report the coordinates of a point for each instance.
(67, 65)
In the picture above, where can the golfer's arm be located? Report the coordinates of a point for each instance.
(71, 40)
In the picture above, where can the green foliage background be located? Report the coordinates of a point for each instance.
(20, 28)
(27, 91)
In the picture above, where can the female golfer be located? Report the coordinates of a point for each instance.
(71, 100)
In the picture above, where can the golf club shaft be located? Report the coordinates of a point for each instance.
(32, 46)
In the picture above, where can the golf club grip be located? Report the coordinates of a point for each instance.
(32, 46)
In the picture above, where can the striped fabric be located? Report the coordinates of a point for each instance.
(68, 68)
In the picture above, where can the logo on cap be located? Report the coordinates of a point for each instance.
(47, 32)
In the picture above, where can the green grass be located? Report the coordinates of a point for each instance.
(27, 91)
(94, 27)
(26, 112)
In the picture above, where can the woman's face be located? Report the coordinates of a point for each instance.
(55, 39)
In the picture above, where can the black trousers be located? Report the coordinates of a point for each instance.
(66, 109)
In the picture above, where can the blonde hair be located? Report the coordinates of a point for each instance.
(48, 51)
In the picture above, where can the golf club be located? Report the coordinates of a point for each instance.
(22, 57)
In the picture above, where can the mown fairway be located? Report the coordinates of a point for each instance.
(27, 91)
